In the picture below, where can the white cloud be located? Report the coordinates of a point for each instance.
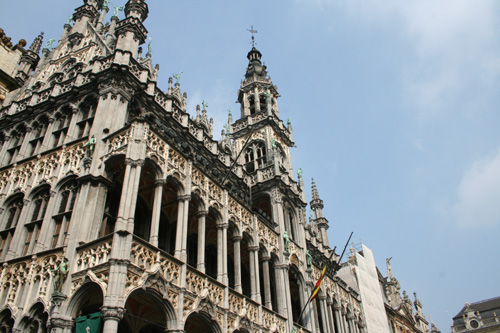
(478, 194)
(454, 43)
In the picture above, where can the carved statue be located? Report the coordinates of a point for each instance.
(50, 42)
(90, 146)
(205, 105)
(273, 144)
(309, 260)
(177, 77)
(117, 9)
(105, 4)
(299, 172)
(268, 97)
(287, 242)
(59, 275)
(389, 267)
(150, 50)
(70, 19)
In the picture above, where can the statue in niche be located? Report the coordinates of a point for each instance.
(309, 260)
(90, 146)
(59, 275)
(287, 242)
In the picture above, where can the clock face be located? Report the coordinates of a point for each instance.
(473, 323)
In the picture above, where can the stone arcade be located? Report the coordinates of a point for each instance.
(121, 211)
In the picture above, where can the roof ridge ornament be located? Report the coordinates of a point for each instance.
(252, 31)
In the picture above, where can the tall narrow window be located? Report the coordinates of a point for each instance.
(86, 119)
(39, 131)
(9, 224)
(263, 102)
(35, 223)
(251, 102)
(15, 145)
(61, 130)
(255, 156)
(62, 218)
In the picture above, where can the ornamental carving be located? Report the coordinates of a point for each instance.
(93, 256)
(176, 161)
(112, 312)
(276, 196)
(157, 149)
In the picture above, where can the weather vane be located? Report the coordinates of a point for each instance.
(252, 31)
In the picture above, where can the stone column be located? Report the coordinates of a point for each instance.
(132, 198)
(329, 313)
(220, 251)
(200, 265)
(237, 263)
(324, 313)
(267, 283)
(283, 290)
(185, 219)
(254, 274)
(111, 316)
(338, 319)
(178, 235)
(155, 219)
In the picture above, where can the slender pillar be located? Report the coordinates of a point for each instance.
(267, 283)
(237, 263)
(220, 239)
(324, 313)
(111, 316)
(338, 318)
(155, 219)
(330, 314)
(253, 272)
(185, 219)
(200, 265)
(178, 235)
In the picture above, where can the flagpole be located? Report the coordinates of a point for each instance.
(334, 271)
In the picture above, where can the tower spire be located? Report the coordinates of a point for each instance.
(317, 207)
(37, 44)
(252, 31)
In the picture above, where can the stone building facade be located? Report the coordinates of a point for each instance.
(482, 316)
(120, 213)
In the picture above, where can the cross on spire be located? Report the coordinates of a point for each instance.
(252, 31)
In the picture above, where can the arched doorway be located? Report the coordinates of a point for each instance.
(35, 320)
(146, 312)
(6, 321)
(200, 322)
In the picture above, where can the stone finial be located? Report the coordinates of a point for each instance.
(138, 9)
(37, 43)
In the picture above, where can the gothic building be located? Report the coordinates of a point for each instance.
(121, 213)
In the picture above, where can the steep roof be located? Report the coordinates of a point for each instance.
(481, 306)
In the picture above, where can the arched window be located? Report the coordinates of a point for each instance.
(35, 223)
(251, 102)
(11, 218)
(255, 156)
(39, 130)
(16, 141)
(263, 102)
(62, 217)
(61, 128)
(87, 114)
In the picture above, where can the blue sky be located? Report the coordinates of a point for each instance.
(394, 108)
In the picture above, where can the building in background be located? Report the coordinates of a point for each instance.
(478, 317)
(385, 309)
(9, 60)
